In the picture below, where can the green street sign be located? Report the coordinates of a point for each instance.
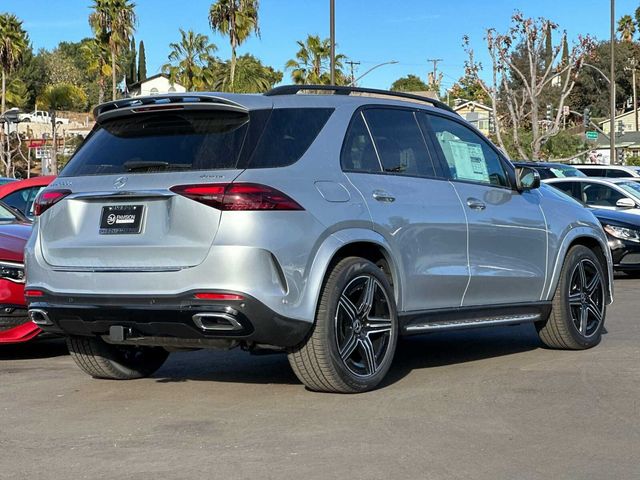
(591, 135)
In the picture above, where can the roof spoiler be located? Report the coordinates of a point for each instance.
(169, 101)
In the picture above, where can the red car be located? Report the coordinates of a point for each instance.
(15, 325)
(21, 194)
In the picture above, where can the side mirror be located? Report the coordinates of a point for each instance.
(626, 203)
(527, 178)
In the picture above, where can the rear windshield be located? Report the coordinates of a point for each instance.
(198, 140)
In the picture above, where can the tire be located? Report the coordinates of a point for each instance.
(357, 316)
(579, 304)
(102, 360)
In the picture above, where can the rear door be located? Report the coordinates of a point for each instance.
(412, 206)
(507, 230)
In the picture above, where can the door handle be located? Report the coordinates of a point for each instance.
(382, 196)
(475, 204)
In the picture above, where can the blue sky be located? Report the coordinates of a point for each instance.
(371, 32)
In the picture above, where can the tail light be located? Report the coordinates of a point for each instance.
(48, 199)
(238, 196)
(33, 293)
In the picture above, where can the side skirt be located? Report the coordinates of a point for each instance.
(414, 323)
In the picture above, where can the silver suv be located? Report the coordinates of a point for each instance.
(324, 225)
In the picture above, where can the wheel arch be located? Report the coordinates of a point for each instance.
(590, 239)
(357, 243)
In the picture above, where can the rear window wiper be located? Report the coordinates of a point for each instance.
(135, 165)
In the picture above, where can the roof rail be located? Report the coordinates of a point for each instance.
(344, 90)
(129, 105)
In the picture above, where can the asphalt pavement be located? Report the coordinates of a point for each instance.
(480, 404)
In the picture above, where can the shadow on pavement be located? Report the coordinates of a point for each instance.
(448, 348)
(40, 348)
(413, 353)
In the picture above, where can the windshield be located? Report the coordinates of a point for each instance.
(630, 187)
(198, 140)
(562, 171)
(6, 214)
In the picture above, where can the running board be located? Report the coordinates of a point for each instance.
(461, 318)
(474, 322)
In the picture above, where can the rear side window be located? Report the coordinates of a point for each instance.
(615, 173)
(289, 133)
(594, 172)
(399, 142)
(197, 140)
(570, 188)
(358, 153)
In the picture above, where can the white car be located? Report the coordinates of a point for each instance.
(610, 171)
(604, 193)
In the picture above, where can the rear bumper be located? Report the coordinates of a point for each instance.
(15, 326)
(168, 320)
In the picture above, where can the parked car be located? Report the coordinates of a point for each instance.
(41, 116)
(609, 171)
(321, 225)
(15, 325)
(603, 193)
(4, 180)
(623, 231)
(552, 170)
(21, 194)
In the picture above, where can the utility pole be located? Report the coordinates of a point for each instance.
(612, 86)
(435, 62)
(634, 65)
(332, 35)
(351, 64)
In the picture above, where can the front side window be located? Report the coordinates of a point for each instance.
(600, 195)
(468, 156)
(399, 142)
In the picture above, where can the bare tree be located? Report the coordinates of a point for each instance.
(517, 89)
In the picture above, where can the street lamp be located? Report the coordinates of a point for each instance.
(392, 62)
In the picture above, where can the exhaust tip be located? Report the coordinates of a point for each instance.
(39, 317)
(216, 322)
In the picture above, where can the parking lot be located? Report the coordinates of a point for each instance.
(477, 404)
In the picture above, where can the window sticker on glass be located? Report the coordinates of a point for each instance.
(469, 161)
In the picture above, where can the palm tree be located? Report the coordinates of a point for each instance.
(96, 53)
(312, 63)
(114, 23)
(237, 19)
(60, 96)
(13, 43)
(189, 60)
(626, 28)
(251, 76)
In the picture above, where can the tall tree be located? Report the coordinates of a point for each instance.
(548, 46)
(189, 60)
(626, 28)
(56, 97)
(132, 74)
(251, 75)
(142, 63)
(13, 43)
(524, 91)
(97, 56)
(312, 63)
(238, 19)
(410, 83)
(115, 21)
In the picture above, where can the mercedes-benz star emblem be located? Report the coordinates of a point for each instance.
(120, 182)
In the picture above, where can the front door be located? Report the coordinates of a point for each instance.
(507, 229)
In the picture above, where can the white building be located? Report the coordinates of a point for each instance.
(155, 85)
